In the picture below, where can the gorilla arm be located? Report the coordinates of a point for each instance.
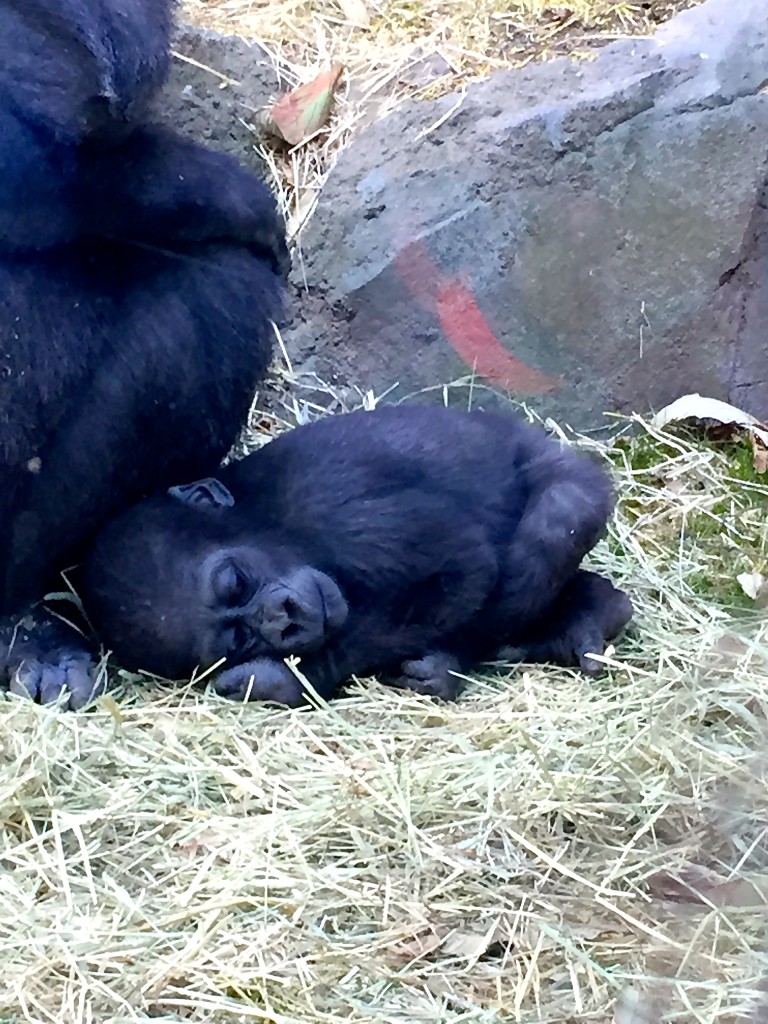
(364, 647)
(588, 613)
(173, 194)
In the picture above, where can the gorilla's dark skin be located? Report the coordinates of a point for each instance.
(412, 541)
(139, 273)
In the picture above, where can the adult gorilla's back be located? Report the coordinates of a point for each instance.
(139, 273)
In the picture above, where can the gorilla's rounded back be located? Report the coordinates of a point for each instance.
(70, 71)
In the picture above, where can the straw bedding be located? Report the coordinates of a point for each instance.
(549, 848)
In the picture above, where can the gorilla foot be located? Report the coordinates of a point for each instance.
(570, 650)
(261, 679)
(432, 675)
(589, 614)
(592, 631)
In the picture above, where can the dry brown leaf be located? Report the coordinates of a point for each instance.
(633, 1007)
(298, 114)
(207, 841)
(741, 892)
(419, 946)
(729, 651)
(470, 945)
(698, 885)
(731, 646)
(457, 942)
(697, 407)
(759, 454)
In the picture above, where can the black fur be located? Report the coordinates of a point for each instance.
(412, 541)
(139, 273)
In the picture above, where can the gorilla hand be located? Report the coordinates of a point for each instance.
(43, 661)
(263, 679)
(432, 675)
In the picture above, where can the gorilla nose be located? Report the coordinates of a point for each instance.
(299, 611)
(291, 624)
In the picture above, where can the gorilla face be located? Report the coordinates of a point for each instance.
(190, 605)
(253, 602)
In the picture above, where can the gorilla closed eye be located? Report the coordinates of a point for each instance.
(229, 585)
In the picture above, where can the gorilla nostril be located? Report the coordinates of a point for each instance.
(292, 631)
(292, 610)
(293, 615)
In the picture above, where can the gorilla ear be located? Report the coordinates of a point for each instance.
(208, 493)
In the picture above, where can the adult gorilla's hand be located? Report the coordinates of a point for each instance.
(41, 660)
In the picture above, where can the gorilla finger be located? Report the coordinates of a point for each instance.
(25, 681)
(83, 682)
(432, 676)
(53, 687)
(591, 642)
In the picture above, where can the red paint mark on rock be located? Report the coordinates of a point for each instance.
(419, 273)
(471, 336)
(464, 324)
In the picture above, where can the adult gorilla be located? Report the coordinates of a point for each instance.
(139, 274)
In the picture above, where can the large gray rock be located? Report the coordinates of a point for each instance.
(589, 236)
(216, 86)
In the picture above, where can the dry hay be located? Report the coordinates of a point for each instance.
(475, 36)
(550, 848)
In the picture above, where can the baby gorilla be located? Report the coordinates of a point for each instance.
(411, 541)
